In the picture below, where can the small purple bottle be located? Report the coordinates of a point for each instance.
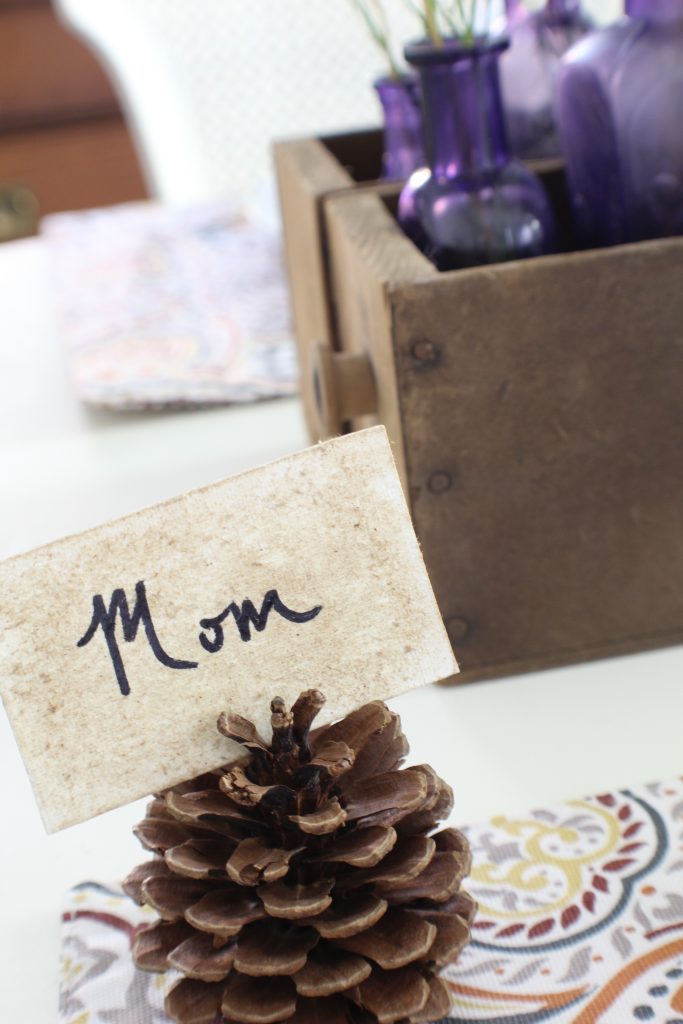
(619, 111)
(403, 149)
(473, 204)
(529, 69)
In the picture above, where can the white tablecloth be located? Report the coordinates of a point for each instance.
(505, 746)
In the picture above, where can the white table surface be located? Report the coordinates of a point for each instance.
(505, 745)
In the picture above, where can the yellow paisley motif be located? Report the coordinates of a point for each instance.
(71, 969)
(524, 875)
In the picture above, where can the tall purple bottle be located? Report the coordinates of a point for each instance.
(619, 109)
(473, 204)
(403, 149)
(529, 69)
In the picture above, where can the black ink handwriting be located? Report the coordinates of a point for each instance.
(105, 619)
(247, 616)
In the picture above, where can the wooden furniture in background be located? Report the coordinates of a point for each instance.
(63, 138)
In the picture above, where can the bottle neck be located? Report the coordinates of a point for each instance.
(463, 119)
(400, 105)
(655, 10)
(400, 99)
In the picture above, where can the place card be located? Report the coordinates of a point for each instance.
(119, 647)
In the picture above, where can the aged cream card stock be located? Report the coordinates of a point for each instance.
(119, 647)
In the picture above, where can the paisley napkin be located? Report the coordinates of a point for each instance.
(580, 922)
(168, 307)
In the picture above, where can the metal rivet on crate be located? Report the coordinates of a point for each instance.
(457, 628)
(440, 482)
(426, 352)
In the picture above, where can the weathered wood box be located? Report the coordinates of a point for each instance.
(535, 407)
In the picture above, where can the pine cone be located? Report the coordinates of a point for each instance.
(301, 884)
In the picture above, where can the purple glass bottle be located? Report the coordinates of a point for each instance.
(529, 69)
(473, 204)
(619, 111)
(403, 149)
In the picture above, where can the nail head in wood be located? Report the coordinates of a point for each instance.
(426, 353)
(440, 482)
(457, 628)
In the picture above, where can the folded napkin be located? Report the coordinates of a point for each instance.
(168, 307)
(580, 922)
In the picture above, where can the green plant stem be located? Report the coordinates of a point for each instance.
(462, 28)
(487, 17)
(431, 10)
(419, 14)
(450, 22)
(472, 23)
(378, 27)
(459, 18)
(464, 19)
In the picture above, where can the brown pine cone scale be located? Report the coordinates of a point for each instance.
(306, 883)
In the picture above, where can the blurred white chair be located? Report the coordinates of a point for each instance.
(208, 84)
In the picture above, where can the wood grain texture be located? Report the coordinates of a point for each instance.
(344, 387)
(325, 527)
(544, 452)
(62, 135)
(310, 172)
(23, 4)
(536, 416)
(370, 257)
(75, 166)
(47, 75)
(306, 173)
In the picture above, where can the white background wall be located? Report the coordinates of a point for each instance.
(208, 83)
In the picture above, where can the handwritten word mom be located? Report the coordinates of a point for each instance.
(211, 638)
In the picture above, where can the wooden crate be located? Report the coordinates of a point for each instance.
(535, 407)
(309, 172)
